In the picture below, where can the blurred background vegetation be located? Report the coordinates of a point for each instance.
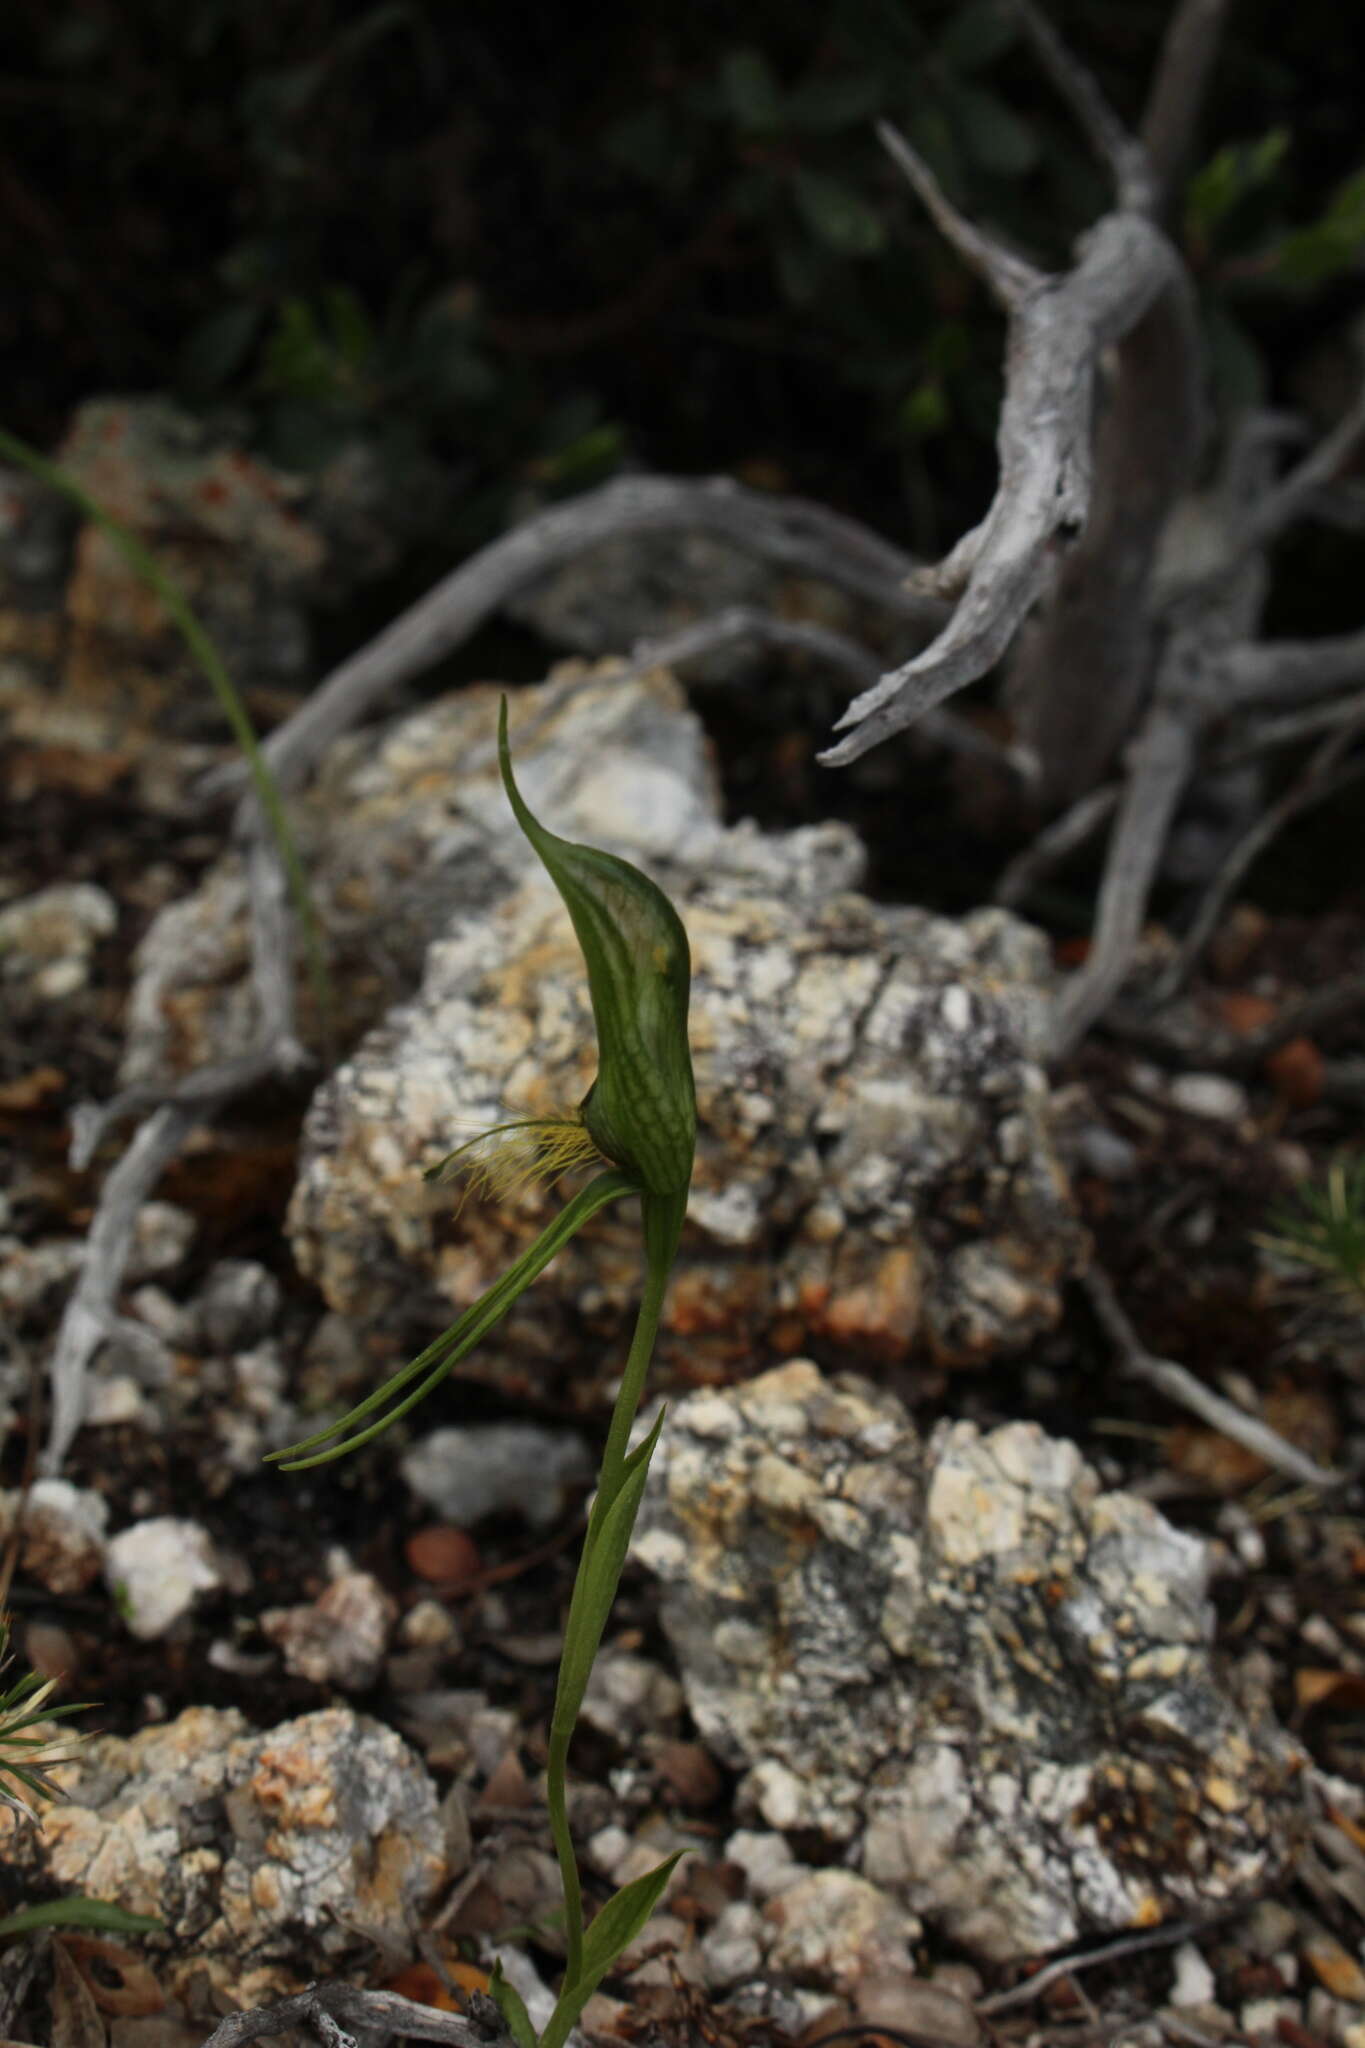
(541, 244)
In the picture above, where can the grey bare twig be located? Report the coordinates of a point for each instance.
(1179, 1385)
(1282, 672)
(1159, 772)
(327, 2010)
(1126, 156)
(1295, 493)
(1325, 773)
(1058, 328)
(1057, 842)
(799, 535)
(1177, 93)
(741, 623)
(1009, 277)
(89, 1312)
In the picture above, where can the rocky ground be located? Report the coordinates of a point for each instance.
(987, 1693)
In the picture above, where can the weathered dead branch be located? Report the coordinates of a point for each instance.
(1127, 287)
(801, 536)
(739, 624)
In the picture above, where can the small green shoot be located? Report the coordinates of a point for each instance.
(639, 1122)
(1325, 1230)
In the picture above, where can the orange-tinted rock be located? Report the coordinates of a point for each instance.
(443, 1556)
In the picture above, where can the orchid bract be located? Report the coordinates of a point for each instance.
(638, 1122)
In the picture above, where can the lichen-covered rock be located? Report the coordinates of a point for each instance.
(89, 657)
(406, 831)
(992, 1683)
(497, 1468)
(339, 1638)
(47, 941)
(261, 1853)
(156, 1570)
(63, 1533)
(874, 1169)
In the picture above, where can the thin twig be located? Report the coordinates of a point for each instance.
(1177, 94)
(89, 1316)
(1295, 492)
(1273, 672)
(324, 2007)
(1134, 185)
(793, 532)
(1055, 843)
(1275, 733)
(1323, 775)
(1178, 1384)
(86, 1319)
(1162, 762)
(740, 623)
(1116, 1951)
(1010, 278)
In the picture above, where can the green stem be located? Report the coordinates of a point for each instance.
(662, 1218)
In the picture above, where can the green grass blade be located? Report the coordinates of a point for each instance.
(144, 564)
(79, 1913)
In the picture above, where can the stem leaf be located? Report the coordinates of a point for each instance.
(611, 1931)
(512, 2006)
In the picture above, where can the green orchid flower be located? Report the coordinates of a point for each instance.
(638, 1121)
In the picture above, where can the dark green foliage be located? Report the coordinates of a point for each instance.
(537, 242)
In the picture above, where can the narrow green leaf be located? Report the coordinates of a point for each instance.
(80, 1913)
(512, 2006)
(468, 1330)
(641, 1110)
(611, 1932)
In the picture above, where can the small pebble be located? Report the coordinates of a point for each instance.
(514, 1468)
(50, 1650)
(443, 1556)
(156, 1570)
(895, 1998)
(1210, 1095)
(1194, 1982)
(690, 1774)
(428, 1626)
(238, 1304)
(162, 1234)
